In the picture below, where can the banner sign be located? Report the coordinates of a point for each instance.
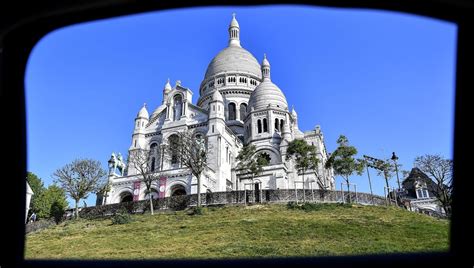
(162, 187)
(136, 190)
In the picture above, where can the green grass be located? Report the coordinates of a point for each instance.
(239, 232)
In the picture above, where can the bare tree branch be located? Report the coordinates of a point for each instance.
(80, 178)
(441, 171)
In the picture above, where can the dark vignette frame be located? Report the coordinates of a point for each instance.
(23, 24)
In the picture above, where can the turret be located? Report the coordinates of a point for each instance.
(265, 68)
(166, 90)
(216, 106)
(234, 32)
(138, 137)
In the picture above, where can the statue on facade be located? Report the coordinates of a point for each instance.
(116, 162)
(112, 164)
(120, 164)
(201, 144)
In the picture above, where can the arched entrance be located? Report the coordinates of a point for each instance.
(178, 190)
(126, 197)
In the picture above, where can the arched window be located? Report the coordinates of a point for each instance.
(152, 168)
(231, 111)
(243, 111)
(282, 123)
(173, 143)
(277, 124)
(259, 126)
(177, 107)
(265, 125)
(153, 147)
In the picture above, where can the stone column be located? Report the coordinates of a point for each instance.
(167, 117)
(271, 126)
(286, 128)
(237, 112)
(184, 108)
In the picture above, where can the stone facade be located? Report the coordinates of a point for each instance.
(238, 104)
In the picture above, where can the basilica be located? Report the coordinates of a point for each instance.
(238, 105)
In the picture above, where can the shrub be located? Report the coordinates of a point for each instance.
(121, 217)
(196, 211)
(292, 205)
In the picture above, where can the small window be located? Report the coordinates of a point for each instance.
(265, 125)
(152, 164)
(243, 110)
(227, 154)
(259, 126)
(232, 111)
(135, 143)
(212, 128)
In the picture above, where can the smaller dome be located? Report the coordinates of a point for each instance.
(267, 94)
(217, 96)
(143, 113)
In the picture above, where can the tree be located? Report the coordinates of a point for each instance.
(80, 178)
(386, 170)
(321, 180)
(304, 156)
(191, 152)
(37, 187)
(141, 160)
(249, 162)
(440, 170)
(51, 203)
(343, 162)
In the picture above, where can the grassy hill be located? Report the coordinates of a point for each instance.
(252, 231)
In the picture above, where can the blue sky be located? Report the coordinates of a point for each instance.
(384, 79)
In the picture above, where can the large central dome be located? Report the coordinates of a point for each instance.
(233, 71)
(233, 59)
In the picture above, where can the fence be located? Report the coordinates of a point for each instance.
(233, 197)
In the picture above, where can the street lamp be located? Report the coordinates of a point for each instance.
(395, 158)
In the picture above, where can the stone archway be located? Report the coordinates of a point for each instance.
(126, 197)
(178, 190)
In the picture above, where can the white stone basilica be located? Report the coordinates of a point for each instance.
(238, 104)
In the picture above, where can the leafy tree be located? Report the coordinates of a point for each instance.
(304, 156)
(343, 162)
(440, 170)
(51, 202)
(37, 187)
(141, 160)
(249, 162)
(80, 178)
(192, 153)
